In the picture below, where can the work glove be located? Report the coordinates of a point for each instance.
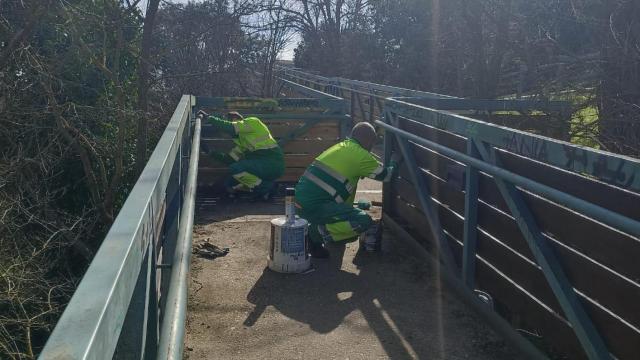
(202, 113)
(363, 204)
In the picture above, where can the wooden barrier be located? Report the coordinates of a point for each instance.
(599, 261)
(303, 127)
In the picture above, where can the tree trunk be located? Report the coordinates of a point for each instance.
(143, 83)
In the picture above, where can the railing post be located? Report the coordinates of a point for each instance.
(387, 188)
(360, 106)
(352, 106)
(470, 219)
(371, 109)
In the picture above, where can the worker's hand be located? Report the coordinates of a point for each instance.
(363, 204)
(202, 113)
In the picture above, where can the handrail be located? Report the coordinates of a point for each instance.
(114, 309)
(172, 333)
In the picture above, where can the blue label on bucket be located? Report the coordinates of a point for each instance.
(292, 240)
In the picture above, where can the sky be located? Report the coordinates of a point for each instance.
(287, 54)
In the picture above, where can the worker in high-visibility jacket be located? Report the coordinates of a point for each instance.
(325, 193)
(256, 161)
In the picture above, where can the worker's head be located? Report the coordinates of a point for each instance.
(234, 116)
(364, 134)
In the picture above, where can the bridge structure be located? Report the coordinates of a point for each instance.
(539, 236)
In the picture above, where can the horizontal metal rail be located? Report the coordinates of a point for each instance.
(367, 88)
(172, 332)
(490, 105)
(307, 91)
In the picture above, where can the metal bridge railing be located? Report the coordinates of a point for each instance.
(416, 131)
(546, 229)
(131, 302)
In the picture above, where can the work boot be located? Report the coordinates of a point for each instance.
(318, 251)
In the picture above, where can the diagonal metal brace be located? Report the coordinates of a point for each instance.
(424, 197)
(586, 332)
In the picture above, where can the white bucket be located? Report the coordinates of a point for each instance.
(288, 251)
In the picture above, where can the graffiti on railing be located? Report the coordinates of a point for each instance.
(533, 147)
(615, 175)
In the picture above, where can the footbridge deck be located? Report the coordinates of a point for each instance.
(538, 236)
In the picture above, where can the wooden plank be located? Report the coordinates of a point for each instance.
(325, 130)
(291, 161)
(451, 140)
(298, 161)
(298, 146)
(610, 197)
(211, 176)
(308, 146)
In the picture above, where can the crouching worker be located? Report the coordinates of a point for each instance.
(256, 161)
(325, 193)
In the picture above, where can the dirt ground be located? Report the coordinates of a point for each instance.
(355, 305)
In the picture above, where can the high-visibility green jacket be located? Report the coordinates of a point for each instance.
(251, 135)
(335, 173)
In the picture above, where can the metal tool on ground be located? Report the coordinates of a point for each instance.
(288, 250)
(210, 251)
